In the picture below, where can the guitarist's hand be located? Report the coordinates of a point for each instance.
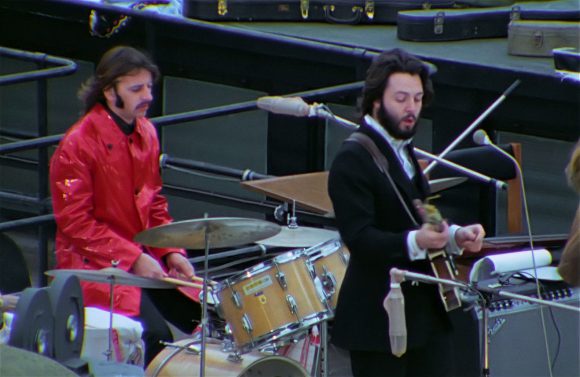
(428, 237)
(470, 237)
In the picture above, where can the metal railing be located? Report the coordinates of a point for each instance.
(43, 141)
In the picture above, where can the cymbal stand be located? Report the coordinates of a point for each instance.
(204, 323)
(109, 351)
(292, 220)
(323, 356)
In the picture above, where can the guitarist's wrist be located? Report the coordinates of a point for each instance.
(414, 251)
(452, 246)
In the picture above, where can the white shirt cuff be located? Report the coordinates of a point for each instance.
(452, 247)
(414, 251)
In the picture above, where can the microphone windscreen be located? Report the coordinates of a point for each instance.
(480, 137)
(294, 106)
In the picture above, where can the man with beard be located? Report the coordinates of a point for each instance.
(105, 183)
(382, 229)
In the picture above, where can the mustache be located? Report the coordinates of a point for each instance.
(143, 104)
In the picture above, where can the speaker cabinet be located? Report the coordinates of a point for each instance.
(517, 346)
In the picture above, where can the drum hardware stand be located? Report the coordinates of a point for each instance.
(292, 220)
(323, 355)
(109, 351)
(205, 299)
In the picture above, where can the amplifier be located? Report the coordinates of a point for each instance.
(517, 346)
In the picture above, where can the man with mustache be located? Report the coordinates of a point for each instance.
(382, 228)
(105, 183)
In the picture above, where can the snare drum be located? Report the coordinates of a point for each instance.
(330, 259)
(183, 358)
(274, 299)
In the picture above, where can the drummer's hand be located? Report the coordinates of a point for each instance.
(146, 266)
(179, 265)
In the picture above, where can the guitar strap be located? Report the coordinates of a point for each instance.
(382, 164)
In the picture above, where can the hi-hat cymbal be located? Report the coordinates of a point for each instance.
(113, 275)
(301, 236)
(221, 231)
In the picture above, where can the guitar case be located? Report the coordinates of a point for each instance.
(471, 23)
(333, 11)
(539, 38)
(567, 59)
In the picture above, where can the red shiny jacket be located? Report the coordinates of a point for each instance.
(105, 189)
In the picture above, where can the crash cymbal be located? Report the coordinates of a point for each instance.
(441, 184)
(301, 236)
(112, 275)
(222, 232)
(306, 190)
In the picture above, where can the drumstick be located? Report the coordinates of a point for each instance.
(211, 282)
(183, 282)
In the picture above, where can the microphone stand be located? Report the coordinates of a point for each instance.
(402, 275)
(322, 111)
(484, 302)
(473, 125)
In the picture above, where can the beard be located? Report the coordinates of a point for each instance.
(391, 124)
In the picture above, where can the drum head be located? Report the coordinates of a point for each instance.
(66, 298)
(33, 323)
(274, 366)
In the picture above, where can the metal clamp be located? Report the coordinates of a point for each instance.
(247, 324)
(292, 305)
(304, 6)
(370, 9)
(222, 7)
(438, 22)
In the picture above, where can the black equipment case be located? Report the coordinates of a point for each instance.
(333, 11)
(469, 23)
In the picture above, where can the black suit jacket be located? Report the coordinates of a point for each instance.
(374, 226)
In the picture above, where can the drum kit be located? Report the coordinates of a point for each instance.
(264, 307)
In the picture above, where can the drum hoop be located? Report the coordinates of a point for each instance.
(275, 357)
(289, 256)
(285, 330)
(170, 356)
(324, 249)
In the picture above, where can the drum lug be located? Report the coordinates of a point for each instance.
(235, 357)
(282, 280)
(292, 305)
(344, 258)
(247, 324)
(328, 280)
(236, 299)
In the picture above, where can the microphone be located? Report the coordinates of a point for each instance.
(480, 138)
(294, 106)
(394, 304)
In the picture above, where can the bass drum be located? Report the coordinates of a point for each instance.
(182, 358)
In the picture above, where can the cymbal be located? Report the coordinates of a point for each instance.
(306, 190)
(113, 275)
(301, 236)
(441, 184)
(222, 232)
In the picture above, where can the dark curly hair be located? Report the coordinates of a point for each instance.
(118, 61)
(383, 66)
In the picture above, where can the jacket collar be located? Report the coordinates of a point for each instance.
(416, 188)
